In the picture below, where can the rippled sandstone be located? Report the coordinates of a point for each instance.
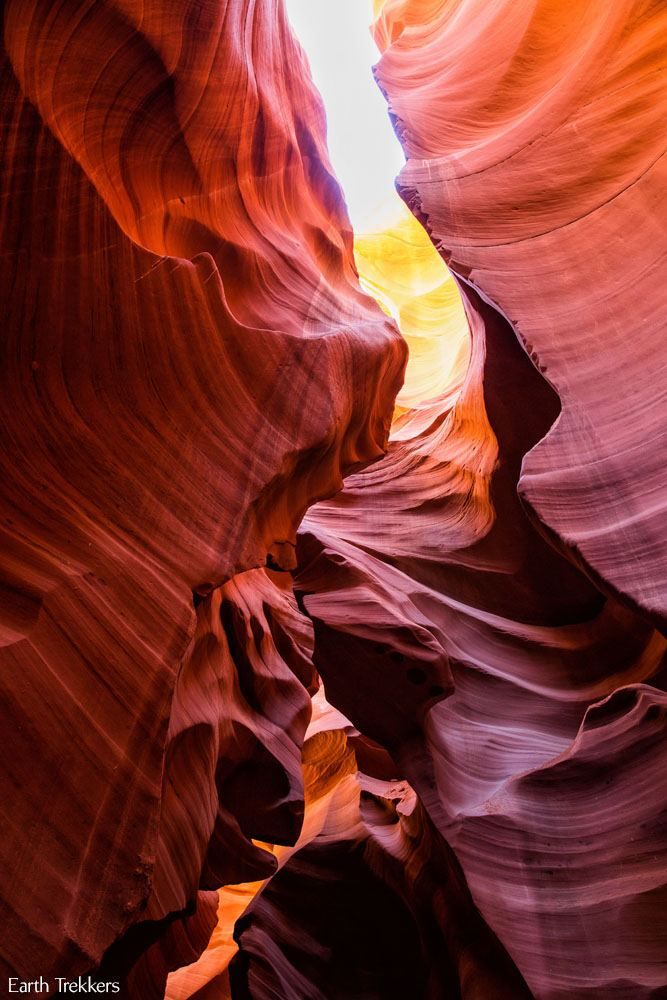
(191, 368)
(188, 362)
(507, 557)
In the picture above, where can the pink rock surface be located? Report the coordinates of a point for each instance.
(520, 702)
(189, 371)
(515, 532)
(536, 158)
(374, 904)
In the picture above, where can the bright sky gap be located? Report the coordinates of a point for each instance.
(364, 150)
(396, 261)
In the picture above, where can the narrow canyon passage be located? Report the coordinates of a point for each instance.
(332, 653)
(397, 262)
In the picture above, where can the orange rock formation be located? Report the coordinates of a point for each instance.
(192, 367)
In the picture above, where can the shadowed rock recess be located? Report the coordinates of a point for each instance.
(211, 508)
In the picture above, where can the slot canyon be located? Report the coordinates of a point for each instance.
(334, 552)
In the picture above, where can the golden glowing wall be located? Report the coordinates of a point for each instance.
(399, 266)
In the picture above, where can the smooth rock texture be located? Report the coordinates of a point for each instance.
(536, 158)
(496, 579)
(218, 492)
(375, 907)
(529, 653)
(188, 362)
(368, 880)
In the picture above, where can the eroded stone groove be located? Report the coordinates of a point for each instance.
(212, 502)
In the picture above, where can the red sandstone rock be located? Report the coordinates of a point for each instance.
(188, 362)
(370, 899)
(506, 764)
(534, 159)
(188, 365)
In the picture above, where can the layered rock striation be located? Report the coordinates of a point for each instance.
(536, 158)
(188, 363)
(191, 368)
(507, 556)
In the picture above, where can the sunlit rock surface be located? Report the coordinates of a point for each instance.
(369, 880)
(399, 266)
(511, 642)
(191, 367)
(430, 579)
(188, 362)
(536, 156)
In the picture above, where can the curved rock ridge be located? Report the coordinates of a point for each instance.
(191, 369)
(331, 797)
(501, 647)
(369, 879)
(167, 945)
(188, 362)
(233, 773)
(520, 702)
(536, 156)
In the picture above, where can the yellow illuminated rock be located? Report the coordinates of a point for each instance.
(399, 266)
